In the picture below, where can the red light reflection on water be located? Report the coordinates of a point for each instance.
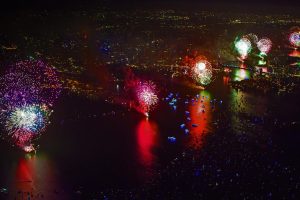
(200, 113)
(226, 80)
(147, 139)
(34, 178)
(25, 173)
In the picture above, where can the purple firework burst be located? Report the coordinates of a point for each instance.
(29, 82)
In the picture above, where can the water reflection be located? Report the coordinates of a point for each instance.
(241, 74)
(226, 80)
(242, 102)
(200, 112)
(238, 103)
(242, 105)
(34, 177)
(146, 140)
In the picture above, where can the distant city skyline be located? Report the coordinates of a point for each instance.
(45, 4)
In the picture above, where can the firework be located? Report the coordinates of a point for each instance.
(28, 148)
(31, 118)
(26, 123)
(27, 89)
(294, 39)
(23, 139)
(146, 95)
(202, 72)
(18, 89)
(252, 38)
(29, 82)
(243, 47)
(264, 45)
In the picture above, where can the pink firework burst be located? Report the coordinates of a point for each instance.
(264, 45)
(23, 138)
(27, 82)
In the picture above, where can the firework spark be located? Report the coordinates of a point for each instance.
(28, 90)
(26, 123)
(253, 38)
(146, 95)
(31, 118)
(294, 39)
(202, 72)
(264, 45)
(29, 82)
(243, 47)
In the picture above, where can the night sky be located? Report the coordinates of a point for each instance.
(70, 4)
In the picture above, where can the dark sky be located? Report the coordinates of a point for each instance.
(71, 4)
